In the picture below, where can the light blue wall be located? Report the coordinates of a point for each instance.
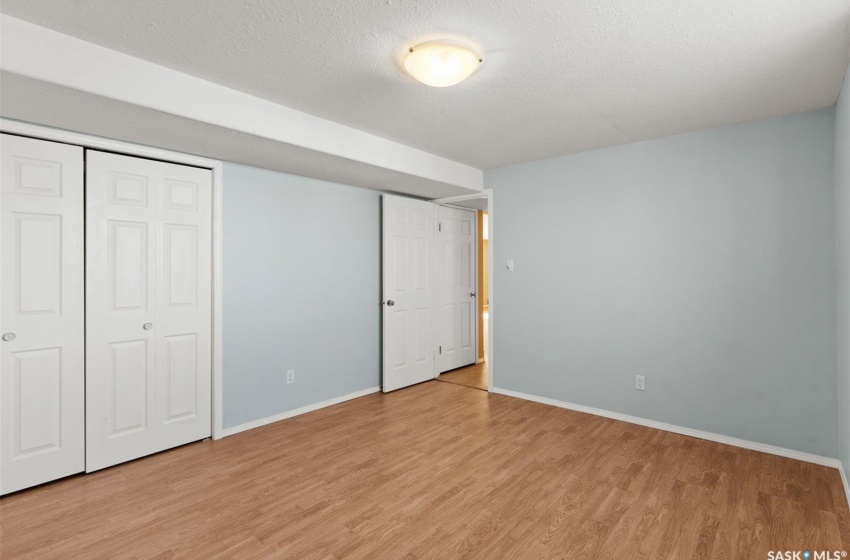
(301, 291)
(705, 261)
(842, 183)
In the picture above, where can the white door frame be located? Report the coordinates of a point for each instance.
(130, 149)
(451, 201)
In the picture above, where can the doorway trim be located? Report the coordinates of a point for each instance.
(451, 201)
(98, 143)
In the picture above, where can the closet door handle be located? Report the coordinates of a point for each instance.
(9, 337)
(147, 326)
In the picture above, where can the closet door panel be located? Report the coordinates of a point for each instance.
(41, 312)
(149, 307)
(184, 302)
(120, 308)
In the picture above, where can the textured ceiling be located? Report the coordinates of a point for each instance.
(558, 76)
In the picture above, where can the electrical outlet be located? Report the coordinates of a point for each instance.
(640, 383)
(510, 265)
(290, 376)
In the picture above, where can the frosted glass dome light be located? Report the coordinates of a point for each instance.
(441, 63)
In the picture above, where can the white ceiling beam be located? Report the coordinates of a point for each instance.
(36, 52)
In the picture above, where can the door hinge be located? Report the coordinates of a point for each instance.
(439, 226)
(441, 350)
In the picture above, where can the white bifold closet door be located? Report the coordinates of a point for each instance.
(456, 262)
(148, 307)
(41, 312)
(409, 289)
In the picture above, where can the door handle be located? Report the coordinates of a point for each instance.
(472, 294)
(390, 303)
(9, 337)
(147, 326)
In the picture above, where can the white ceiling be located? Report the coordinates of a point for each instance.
(54, 79)
(558, 76)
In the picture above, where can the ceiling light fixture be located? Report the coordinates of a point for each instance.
(441, 63)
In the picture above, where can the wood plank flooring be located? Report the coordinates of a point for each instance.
(436, 471)
(474, 376)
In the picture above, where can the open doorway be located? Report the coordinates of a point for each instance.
(432, 317)
(476, 373)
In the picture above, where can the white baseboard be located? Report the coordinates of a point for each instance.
(754, 446)
(297, 411)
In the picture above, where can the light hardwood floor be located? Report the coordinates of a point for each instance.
(436, 471)
(474, 376)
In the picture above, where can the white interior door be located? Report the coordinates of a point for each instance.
(148, 305)
(408, 292)
(41, 312)
(456, 288)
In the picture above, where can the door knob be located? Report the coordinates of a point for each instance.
(147, 326)
(390, 303)
(9, 337)
(472, 294)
